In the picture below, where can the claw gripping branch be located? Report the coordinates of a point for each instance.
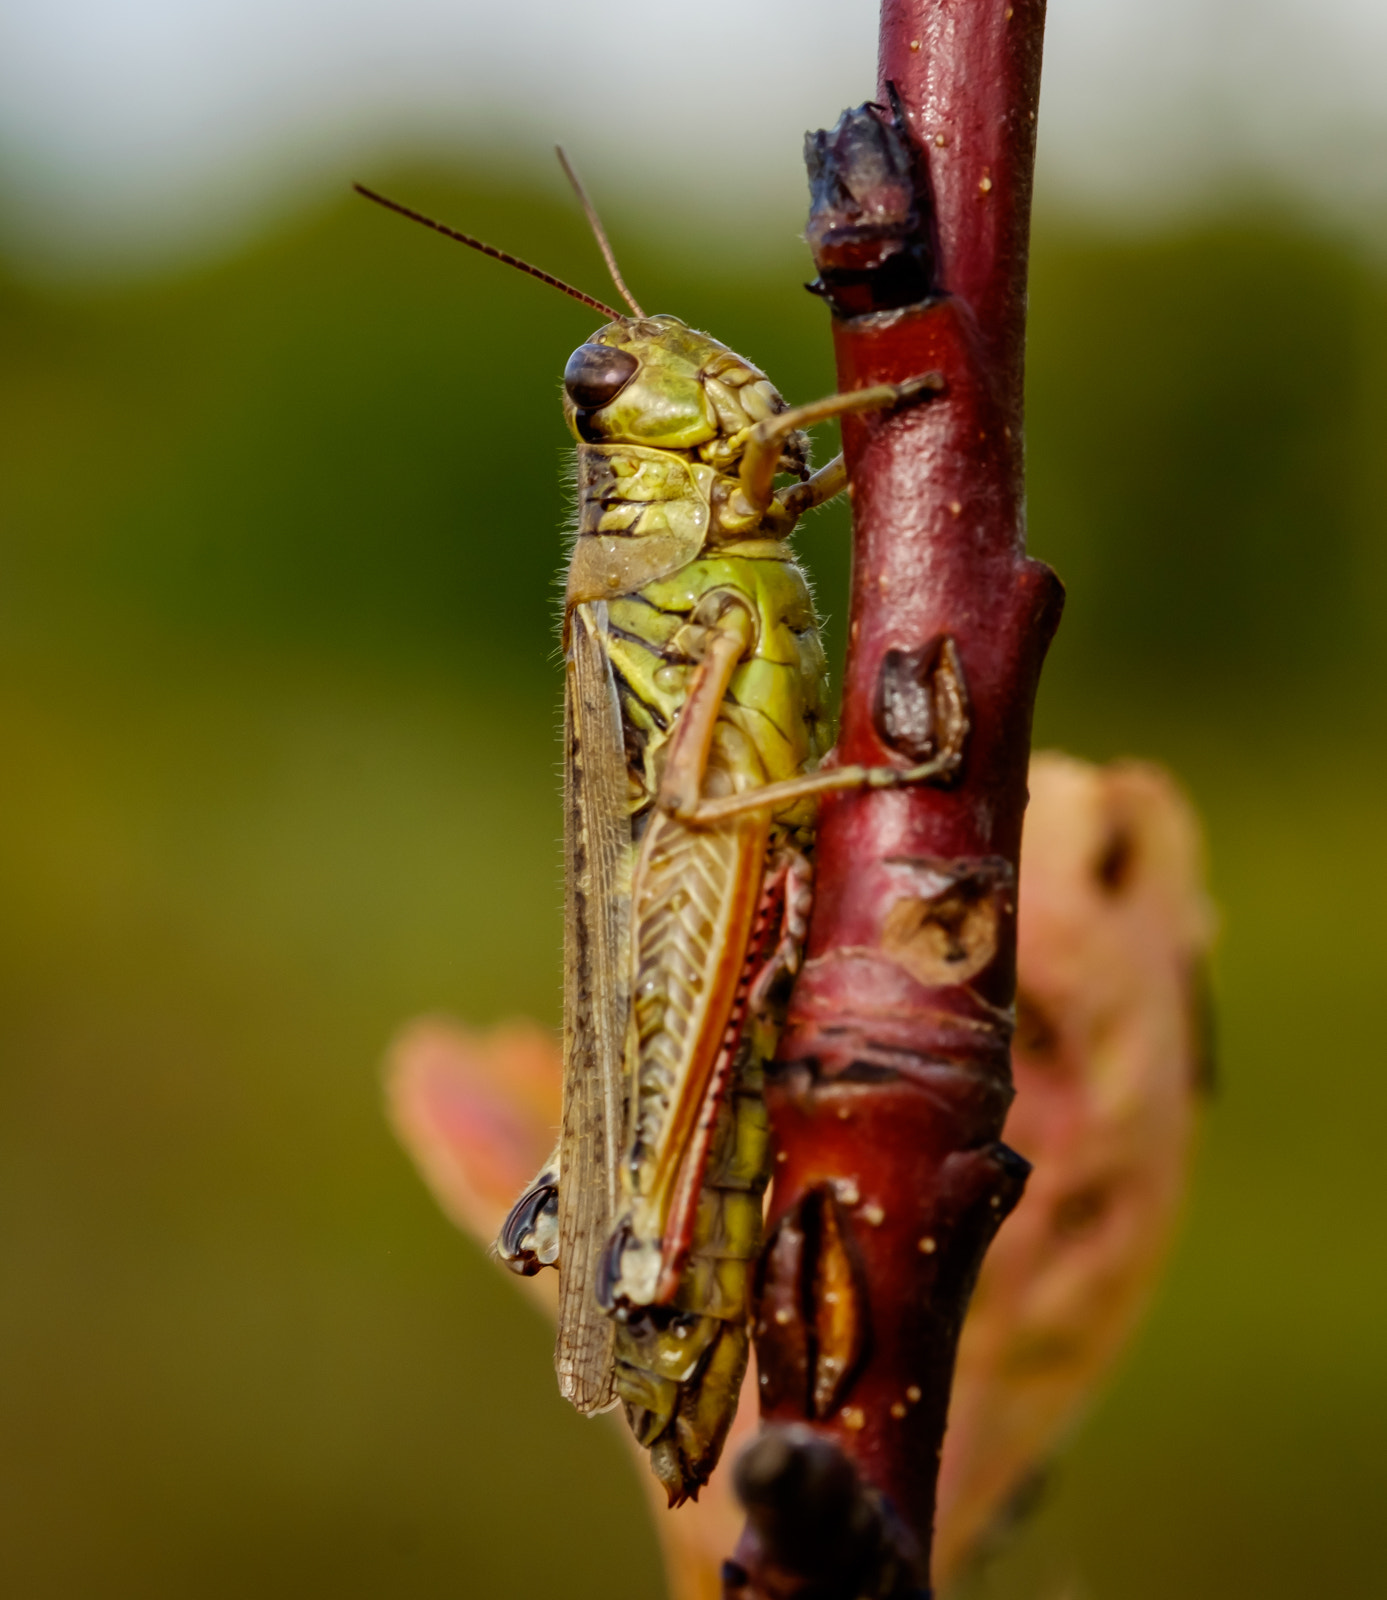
(893, 1077)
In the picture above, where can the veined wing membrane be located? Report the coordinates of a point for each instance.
(597, 837)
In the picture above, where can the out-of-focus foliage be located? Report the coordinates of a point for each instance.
(1205, 450)
(278, 689)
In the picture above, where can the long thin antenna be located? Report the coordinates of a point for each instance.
(493, 252)
(595, 223)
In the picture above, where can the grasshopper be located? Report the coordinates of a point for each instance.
(695, 732)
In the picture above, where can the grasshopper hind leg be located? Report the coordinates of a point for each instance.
(529, 1237)
(680, 1363)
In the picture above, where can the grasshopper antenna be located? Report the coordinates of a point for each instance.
(595, 223)
(495, 254)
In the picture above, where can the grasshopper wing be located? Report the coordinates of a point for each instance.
(597, 839)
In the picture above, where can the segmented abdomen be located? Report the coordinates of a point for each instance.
(679, 1368)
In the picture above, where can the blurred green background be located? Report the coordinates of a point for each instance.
(279, 698)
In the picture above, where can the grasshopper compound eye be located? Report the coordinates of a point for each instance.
(596, 374)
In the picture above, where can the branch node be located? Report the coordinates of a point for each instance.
(816, 1530)
(922, 705)
(871, 215)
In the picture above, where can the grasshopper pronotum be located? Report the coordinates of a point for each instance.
(695, 729)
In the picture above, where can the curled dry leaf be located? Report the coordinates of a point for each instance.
(1113, 928)
(1108, 1062)
(478, 1110)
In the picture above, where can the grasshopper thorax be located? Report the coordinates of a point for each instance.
(654, 381)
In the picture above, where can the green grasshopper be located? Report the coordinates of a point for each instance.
(695, 732)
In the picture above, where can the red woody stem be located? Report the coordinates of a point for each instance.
(893, 1077)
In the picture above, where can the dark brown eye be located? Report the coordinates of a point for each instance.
(596, 374)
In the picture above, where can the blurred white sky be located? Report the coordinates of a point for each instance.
(134, 128)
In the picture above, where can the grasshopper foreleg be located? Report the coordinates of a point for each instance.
(761, 457)
(816, 490)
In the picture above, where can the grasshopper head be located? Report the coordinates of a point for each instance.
(653, 381)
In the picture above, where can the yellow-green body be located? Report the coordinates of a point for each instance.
(665, 539)
(695, 724)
